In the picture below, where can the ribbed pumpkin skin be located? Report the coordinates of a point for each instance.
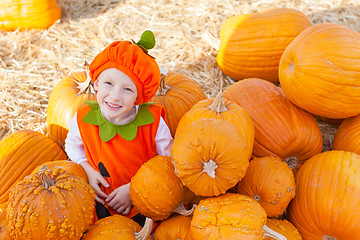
(62, 210)
(65, 99)
(271, 182)
(229, 216)
(20, 153)
(232, 112)
(177, 93)
(115, 227)
(211, 144)
(28, 14)
(283, 227)
(175, 227)
(155, 190)
(327, 197)
(320, 71)
(251, 45)
(347, 136)
(281, 128)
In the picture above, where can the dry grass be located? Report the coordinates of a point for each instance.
(32, 62)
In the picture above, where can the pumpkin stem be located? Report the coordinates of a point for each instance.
(218, 105)
(257, 197)
(87, 86)
(292, 162)
(327, 237)
(210, 39)
(209, 168)
(46, 181)
(163, 88)
(181, 209)
(268, 232)
(145, 231)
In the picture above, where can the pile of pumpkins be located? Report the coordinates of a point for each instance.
(245, 164)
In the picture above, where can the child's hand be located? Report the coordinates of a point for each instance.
(119, 199)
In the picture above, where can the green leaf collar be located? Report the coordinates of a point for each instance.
(108, 130)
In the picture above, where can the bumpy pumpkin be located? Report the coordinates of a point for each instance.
(177, 93)
(271, 182)
(281, 128)
(65, 99)
(347, 136)
(211, 155)
(156, 192)
(320, 71)
(326, 205)
(284, 227)
(50, 204)
(251, 45)
(4, 231)
(229, 216)
(115, 227)
(219, 108)
(175, 227)
(20, 153)
(28, 14)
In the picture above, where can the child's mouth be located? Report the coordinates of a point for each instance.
(112, 105)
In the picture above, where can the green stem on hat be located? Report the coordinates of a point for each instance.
(146, 42)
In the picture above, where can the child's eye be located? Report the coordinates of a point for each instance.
(128, 89)
(108, 83)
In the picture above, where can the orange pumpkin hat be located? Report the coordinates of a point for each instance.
(132, 59)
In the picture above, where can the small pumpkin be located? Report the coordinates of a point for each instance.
(20, 153)
(271, 182)
(25, 14)
(50, 204)
(177, 93)
(65, 99)
(251, 45)
(320, 71)
(347, 136)
(175, 227)
(326, 204)
(207, 160)
(284, 227)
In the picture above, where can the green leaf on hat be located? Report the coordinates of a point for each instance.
(147, 40)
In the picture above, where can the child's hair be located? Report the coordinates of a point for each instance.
(133, 60)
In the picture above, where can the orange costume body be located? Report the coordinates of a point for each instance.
(120, 158)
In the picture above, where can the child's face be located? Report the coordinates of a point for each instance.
(116, 95)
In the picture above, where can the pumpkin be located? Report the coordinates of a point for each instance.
(69, 166)
(28, 14)
(281, 128)
(20, 153)
(4, 231)
(177, 93)
(115, 227)
(251, 45)
(326, 204)
(284, 227)
(3, 207)
(156, 192)
(271, 182)
(229, 216)
(211, 155)
(50, 204)
(175, 227)
(347, 136)
(219, 108)
(65, 99)
(320, 71)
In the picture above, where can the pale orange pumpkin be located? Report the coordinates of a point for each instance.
(326, 205)
(251, 45)
(20, 153)
(271, 182)
(284, 227)
(347, 136)
(65, 99)
(281, 128)
(320, 71)
(28, 14)
(175, 227)
(177, 93)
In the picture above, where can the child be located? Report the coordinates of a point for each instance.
(113, 137)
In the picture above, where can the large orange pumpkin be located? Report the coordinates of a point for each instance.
(251, 45)
(28, 14)
(50, 204)
(326, 205)
(177, 93)
(281, 128)
(320, 71)
(65, 99)
(347, 136)
(211, 156)
(271, 182)
(175, 227)
(20, 153)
